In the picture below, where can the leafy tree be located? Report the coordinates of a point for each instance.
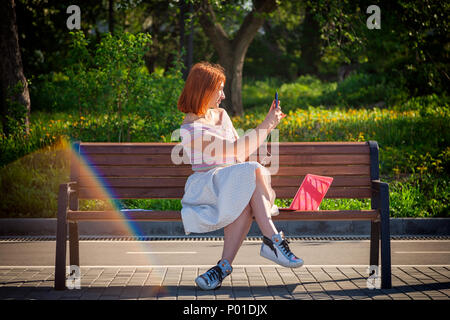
(411, 47)
(232, 46)
(111, 81)
(43, 34)
(14, 95)
(426, 35)
(289, 45)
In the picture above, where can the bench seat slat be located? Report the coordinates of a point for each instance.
(176, 171)
(165, 160)
(328, 215)
(333, 193)
(283, 148)
(169, 182)
(358, 170)
(176, 215)
(321, 148)
(339, 181)
(137, 171)
(177, 193)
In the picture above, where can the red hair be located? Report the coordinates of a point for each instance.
(203, 79)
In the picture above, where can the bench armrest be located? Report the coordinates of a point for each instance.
(380, 197)
(72, 186)
(380, 201)
(380, 190)
(67, 196)
(379, 186)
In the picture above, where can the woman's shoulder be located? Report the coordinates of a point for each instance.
(217, 116)
(195, 123)
(198, 127)
(226, 119)
(222, 111)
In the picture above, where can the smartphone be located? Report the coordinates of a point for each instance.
(276, 99)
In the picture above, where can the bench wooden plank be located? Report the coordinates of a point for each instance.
(329, 215)
(168, 182)
(283, 147)
(357, 170)
(294, 159)
(177, 193)
(339, 181)
(321, 148)
(176, 215)
(137, 171)
(333, 193)
(176, 171)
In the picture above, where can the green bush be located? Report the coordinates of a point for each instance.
(111, 80)
(361, 89)
(430, 105)
(104, 94)
(420, 196)
(356, 91)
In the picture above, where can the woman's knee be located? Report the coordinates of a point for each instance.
(261, 182)
(248, 210)
(259, 177)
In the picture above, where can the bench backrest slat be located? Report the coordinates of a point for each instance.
(145, 170)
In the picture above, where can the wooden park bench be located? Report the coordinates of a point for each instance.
(145, 171)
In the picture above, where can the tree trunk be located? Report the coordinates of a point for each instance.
(310, 44)
(11, 69)
(190, 40)
(345, 70)
(182, 38)
(233, 89)
(232, 51)
(189, 43)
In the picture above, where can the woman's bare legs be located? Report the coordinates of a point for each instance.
(259, 207)
(235, 233)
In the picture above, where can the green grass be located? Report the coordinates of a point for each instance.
(29, 185)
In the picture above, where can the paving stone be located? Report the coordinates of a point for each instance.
(252, 283)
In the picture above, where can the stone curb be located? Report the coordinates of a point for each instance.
(398, 227)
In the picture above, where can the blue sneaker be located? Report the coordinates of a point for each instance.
(212, 279)
(277, 250)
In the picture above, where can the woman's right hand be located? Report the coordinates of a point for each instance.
(274, 115)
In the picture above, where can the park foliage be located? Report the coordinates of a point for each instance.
(105, 93)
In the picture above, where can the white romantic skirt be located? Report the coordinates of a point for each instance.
(213, 199)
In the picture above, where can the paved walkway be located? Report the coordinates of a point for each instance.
(343, 282)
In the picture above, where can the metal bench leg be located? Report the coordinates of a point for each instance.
(61, 238)
(386, 282)
(374, 243)
(73, 229)
(73, 244)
